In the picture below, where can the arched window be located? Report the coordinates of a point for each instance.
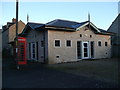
(99, 43)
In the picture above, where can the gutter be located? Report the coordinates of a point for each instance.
(60, 28)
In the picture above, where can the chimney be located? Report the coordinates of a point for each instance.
(13, 20)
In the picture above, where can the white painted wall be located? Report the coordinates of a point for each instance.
(70, 54)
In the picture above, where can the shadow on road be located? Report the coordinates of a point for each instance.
(37, 75)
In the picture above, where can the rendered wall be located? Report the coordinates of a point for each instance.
(67, 54)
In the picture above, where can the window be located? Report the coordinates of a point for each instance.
(42, 44)
(106, 44)
(57, 43)
(99, 43)
(90, 36)
(57, 56)
(68, 43)
(80, 35)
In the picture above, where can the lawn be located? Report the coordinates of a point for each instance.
(104, 69)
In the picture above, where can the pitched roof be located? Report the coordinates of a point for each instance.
(115, 22)
(35, 25)
(10, 24)
(0, 31)
(101, 30)
(105, 32)
(73, 26)
(64, 24)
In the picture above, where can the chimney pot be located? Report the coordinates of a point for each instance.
(14, 20)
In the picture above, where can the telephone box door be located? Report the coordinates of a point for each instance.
(21, 50)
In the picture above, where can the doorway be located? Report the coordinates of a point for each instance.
(33, 51)
(85, 50)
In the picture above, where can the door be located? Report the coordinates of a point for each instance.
(85, 50)
(33, 51)
(92, 49)
(79, 50)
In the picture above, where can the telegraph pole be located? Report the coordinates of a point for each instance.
(16, 43)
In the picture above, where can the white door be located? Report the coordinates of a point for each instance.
(33, 51)
(85, 50)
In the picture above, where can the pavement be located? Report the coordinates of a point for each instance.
(36, 75)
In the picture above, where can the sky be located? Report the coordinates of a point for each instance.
(102, 14)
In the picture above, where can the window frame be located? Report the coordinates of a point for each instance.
(81, 35)
(99, 43)
(90, 36)
(55, 44)
(106, 43)
(67, 43)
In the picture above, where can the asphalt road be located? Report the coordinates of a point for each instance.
(35, 75)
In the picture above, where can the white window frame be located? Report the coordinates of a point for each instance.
(57, 46)
(98, 43)
(66, 43)
(88, 53)
(105, 44)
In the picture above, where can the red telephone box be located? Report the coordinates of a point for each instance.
(21, 50)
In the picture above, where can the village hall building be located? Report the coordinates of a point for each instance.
(66, 41)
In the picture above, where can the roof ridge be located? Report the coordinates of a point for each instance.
(101, 29)
(62, 20)
(34, 23)
(68, 20)
(53, 21)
